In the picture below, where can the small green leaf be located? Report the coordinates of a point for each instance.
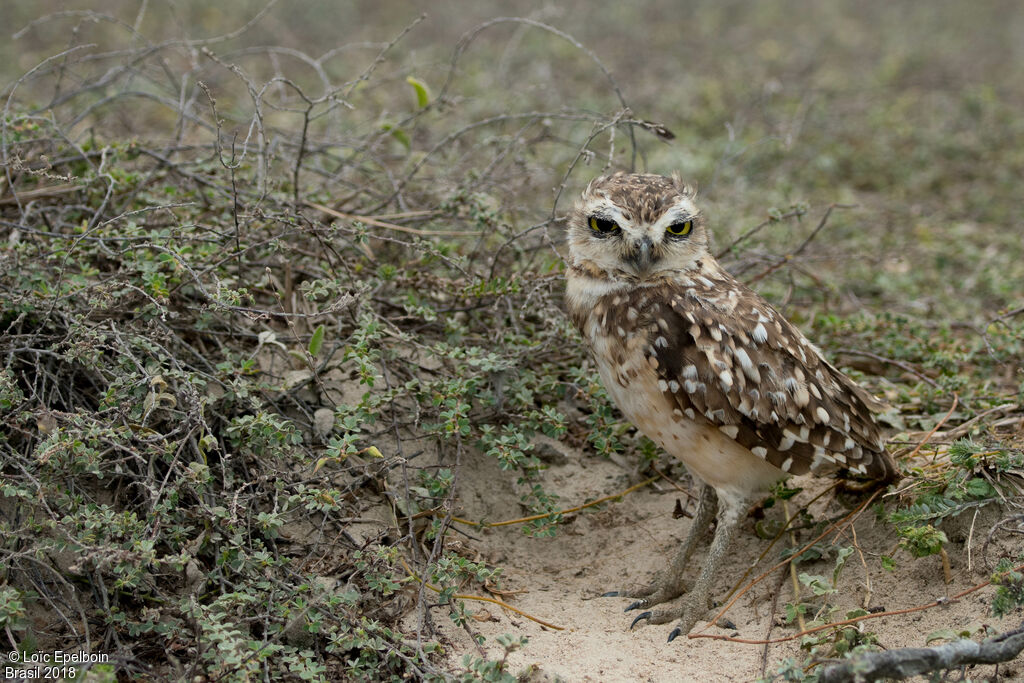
(941, 634)
(422, 94)
(841, 557)
(818, 584)
(316, 341)
(783, 492)
(398, 134)
(320, 463)
(793, 611)
(922, 541)
(980, 489)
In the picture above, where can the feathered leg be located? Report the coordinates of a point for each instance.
(670, 583)
(694, 605)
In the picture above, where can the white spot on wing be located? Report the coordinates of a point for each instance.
(729, 430)
(749, 369)
(789, 433)
(726, 379)
(760, 335)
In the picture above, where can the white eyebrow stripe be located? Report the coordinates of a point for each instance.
(611, 212)
(683, 210)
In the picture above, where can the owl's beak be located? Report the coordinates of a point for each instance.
(640, 256)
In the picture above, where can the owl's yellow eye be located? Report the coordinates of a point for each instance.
(681, 229)
(603, 226)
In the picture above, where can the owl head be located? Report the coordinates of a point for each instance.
(637, 227)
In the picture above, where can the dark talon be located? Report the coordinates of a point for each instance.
(727, 623)
(642, 615)
(675, 634)
(610, 594)
(636, 605)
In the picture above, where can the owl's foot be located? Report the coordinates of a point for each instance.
(671, 583)
(688, 613)
(666, 589)
(694, 605)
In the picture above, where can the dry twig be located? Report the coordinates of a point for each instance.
(914, 661)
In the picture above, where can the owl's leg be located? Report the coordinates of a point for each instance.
(670, 583)
(694, 606)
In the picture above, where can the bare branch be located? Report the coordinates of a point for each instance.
(913, 661)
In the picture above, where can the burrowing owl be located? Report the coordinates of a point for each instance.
(705, 367)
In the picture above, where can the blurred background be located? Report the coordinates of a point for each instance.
(911, 111)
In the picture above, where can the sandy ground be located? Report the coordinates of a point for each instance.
(626, 543)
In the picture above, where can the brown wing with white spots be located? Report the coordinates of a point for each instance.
(724, 353)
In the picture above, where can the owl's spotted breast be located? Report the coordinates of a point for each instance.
(720, 354)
